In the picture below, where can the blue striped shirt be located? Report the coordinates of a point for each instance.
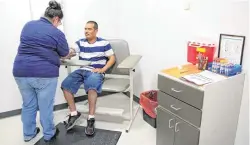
(97, 53)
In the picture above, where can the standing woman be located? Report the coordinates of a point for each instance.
(36, 70)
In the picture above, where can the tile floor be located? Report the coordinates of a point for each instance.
(140, 133)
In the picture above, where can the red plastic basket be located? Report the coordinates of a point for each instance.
(148, 101)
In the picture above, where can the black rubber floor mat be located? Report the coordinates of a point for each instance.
(76, 136)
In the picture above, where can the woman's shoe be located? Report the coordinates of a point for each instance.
(37, 131)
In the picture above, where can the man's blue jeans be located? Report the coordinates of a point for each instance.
(37, 94)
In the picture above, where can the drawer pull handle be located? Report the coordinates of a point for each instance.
(175, 128)
(177, 91)
(156, 109)
(176, 109)
(169, 123)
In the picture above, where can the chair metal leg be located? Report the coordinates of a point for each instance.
(68, 69)
(132, 119)
(131, 106)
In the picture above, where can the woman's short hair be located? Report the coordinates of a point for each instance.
(53, 10)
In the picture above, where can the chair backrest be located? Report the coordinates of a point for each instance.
(121, 50)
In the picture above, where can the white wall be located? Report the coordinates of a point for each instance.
(78, 12)
(13, 17)
(159, 30)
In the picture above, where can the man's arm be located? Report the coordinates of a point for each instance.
(110, 62)
(110, 54)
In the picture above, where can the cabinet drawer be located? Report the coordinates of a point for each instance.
(181, 91)
(181, 109)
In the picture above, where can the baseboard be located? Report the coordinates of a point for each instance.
(56, 107)
(10, 113)
(136, 99)
(60, 106)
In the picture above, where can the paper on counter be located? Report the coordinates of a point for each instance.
(203, 78)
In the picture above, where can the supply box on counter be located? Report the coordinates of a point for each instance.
(194, 48)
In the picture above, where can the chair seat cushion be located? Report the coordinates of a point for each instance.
(115, 85)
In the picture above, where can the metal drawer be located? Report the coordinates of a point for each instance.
(179, 108)
(181, 91)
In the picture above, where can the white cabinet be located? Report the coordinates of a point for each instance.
(192, 115)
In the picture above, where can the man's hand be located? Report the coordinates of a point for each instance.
(110, 62)
(98, 70)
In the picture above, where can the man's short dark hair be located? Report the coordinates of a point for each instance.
(95, 24)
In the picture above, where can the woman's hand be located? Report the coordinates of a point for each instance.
(72, 53)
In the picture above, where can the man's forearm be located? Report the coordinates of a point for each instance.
(110, 62)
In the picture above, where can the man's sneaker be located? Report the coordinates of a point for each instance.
(90, 129)
(53, 137)
(72, 121)
(37, 131)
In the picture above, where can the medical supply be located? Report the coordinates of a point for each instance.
(233, 69)
(218, 65)
(215, 65)
(228, 69)
(224, 67)
(202, 61)
(209, 66)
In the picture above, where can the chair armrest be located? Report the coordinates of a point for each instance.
(130, 62)
(74, 62)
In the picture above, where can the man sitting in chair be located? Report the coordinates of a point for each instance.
(99, 52)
